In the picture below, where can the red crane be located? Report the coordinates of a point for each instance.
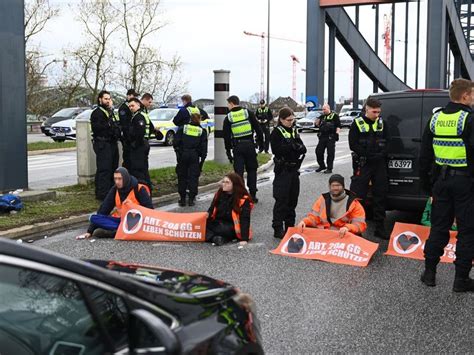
(263, 35)
(295, 60)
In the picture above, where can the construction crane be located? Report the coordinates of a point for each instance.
(295, 60)
(263, 35)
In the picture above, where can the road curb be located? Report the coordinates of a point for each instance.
(50, 151)
(38, 229)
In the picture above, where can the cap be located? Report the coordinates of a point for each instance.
(336, 178)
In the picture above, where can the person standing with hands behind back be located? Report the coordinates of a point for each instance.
(289, 151)
(329, 126)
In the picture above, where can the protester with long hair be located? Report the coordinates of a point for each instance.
(229, 213)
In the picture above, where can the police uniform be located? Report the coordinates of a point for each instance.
(328, 137)
(139, 133)
(125, 117)
(105, 133)
(190, 145)
(368, 142)
(264, 117)
(238, 130)
(288, 150)
(184, 114)
(448, 140)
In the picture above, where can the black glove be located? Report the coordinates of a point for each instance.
(298, 147)
(159, 136)
(201, 164)
(230, 157)
(178, 155)
(336, 137)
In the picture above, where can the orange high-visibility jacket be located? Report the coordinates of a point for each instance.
(353, 219)
(117, 212)
(236, 217)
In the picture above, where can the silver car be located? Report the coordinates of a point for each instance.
(309, 122)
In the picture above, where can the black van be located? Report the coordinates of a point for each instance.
(406, 114)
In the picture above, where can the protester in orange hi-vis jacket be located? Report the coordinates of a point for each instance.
(337, 210)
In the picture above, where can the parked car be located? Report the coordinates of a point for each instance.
(162, 119)
(209, 123)
(66, 130)
(348, 117)
(52, 304)
(308, 123)
(61, 115)
(406, 114)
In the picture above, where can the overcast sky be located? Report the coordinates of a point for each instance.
(208, 35)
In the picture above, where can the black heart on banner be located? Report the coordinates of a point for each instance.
(132, 220)
(406, 241)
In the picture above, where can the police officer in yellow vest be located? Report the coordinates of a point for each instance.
(105, 134)
(190, 145)
(239, 128)
(139, 133)
(368, 138)
(447, 170)
(329, 126)
(264, 117)
(184, 114)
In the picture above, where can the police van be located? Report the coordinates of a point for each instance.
(406, 114)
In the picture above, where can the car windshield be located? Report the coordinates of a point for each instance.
(65, 112)
(312, 115)
(209, 108)
(85, 114)
(162, 115)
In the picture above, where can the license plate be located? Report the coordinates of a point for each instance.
(399, 164)
(60, 134)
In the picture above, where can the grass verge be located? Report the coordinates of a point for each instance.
(78, 199)
(50, 145)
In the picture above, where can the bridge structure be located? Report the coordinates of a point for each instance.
(450, 33)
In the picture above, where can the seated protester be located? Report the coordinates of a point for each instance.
(426, 217)
(229, 214)
(337, 210)
(105, 222)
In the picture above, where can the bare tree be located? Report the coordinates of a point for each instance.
(170, 83)
(37, 15)
(140, 19)
(99, 20)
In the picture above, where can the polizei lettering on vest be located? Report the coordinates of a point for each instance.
(450, 123)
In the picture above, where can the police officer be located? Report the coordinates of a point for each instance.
(329, 127)
(264, 117)
(105, 133)
(368, 137)
(190, 145)
(239, 127)
(125, 117)
(288, 150)
(447, 169)
(139, 147)
(184, 114)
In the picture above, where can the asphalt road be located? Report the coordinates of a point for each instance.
(309, 306)
(60, 169)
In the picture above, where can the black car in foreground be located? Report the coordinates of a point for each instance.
(51, 304)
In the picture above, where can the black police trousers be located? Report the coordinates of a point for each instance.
(375, 171)
(245, 157)
(139, 162)
(222, 228)
(188, 171)
(107, 159)
(266, 137)
(326, 142)
(453, 197)
(286, 190)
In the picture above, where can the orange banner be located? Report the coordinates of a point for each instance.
(408, 241)
(140, 223)
(326, 245)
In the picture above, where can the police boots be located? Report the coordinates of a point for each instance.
(278, 233)
(182, 201)
(192, 200)
(429, 277)
(463, 284)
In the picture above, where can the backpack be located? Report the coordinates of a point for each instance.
(10, 202)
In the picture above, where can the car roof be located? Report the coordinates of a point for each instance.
(412, 93)
(83, 268)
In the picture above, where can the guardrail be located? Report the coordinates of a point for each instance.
(33, 127)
